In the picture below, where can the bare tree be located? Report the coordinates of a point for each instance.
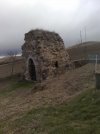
(12, 55)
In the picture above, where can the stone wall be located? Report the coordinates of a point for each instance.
(47, 51)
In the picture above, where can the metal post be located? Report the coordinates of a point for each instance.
(81, 36)
(96, 63)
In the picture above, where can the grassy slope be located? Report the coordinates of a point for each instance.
(81, 51)
(79, 116)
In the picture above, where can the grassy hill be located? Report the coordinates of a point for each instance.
(81, 51)
(66, 104)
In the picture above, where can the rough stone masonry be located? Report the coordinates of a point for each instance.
(44, 54)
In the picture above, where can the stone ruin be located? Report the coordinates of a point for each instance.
(44, 54)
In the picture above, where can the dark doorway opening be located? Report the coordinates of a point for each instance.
(32, 71)
(56, 64)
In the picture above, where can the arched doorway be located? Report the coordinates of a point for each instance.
(32, 71)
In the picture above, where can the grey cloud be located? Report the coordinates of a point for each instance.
(18, 17)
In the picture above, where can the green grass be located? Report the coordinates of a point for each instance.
(79, 116)
(22, 84)
(14, 84)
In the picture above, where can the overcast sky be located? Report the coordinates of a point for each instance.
(66, 17)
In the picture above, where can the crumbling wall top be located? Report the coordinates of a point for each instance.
(42, 35)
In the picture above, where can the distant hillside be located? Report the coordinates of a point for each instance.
(8, 59)
(81, 51)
